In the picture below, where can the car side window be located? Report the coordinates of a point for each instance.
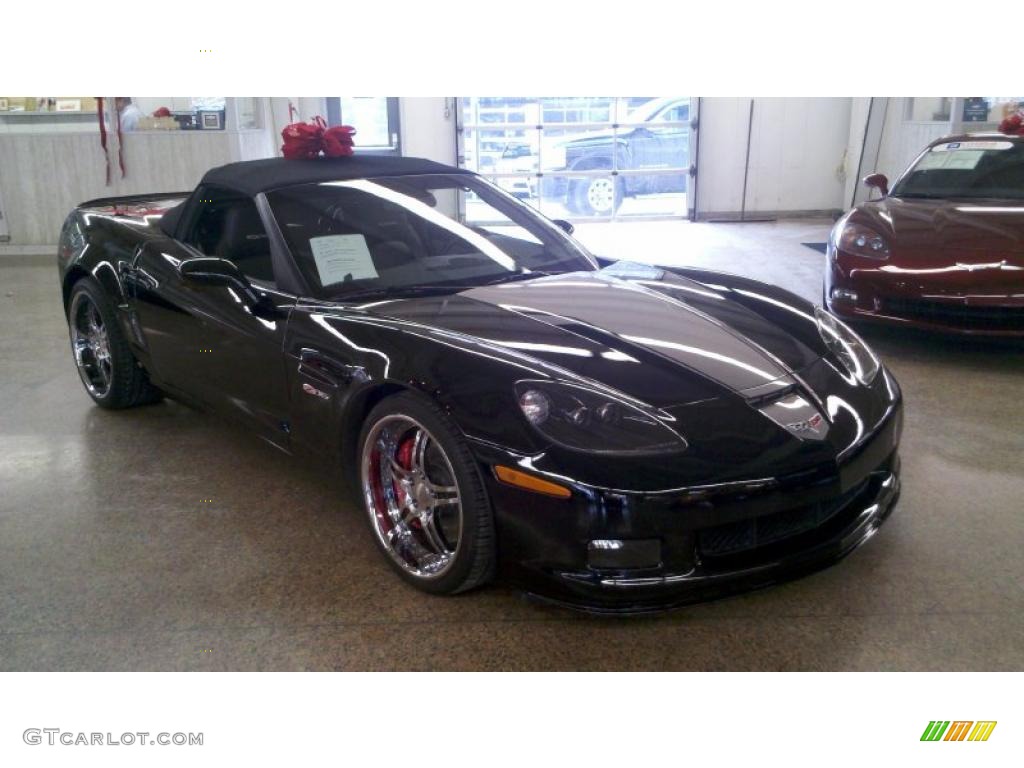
(229, 226)
(678, 114)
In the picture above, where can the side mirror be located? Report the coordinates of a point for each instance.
(877, 181)
(209, 270)
(564, 225)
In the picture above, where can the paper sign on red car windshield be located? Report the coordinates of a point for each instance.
(968, 146)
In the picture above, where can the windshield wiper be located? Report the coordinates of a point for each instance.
(512, 277)
(396, 291)
(950, 196)
(919, 196)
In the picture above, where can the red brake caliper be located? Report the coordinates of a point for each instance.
(404, 458)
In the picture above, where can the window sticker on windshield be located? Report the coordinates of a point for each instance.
(342, 257)
(950, 161)
(971, 146)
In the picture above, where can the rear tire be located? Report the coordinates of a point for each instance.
(424, 497)
(108, 369)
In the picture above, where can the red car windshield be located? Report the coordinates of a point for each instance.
(972, 168)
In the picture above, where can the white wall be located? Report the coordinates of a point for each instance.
(860, 110)
(44, 176)
(428, 128)
(903, 140)
(798, 161)
(894, 139)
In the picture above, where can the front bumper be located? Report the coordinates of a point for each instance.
(710, 578)
(710, 541)
(955, 303)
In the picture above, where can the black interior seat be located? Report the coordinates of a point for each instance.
(244, 241)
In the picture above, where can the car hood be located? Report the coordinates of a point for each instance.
(665, 340)
(949, 230)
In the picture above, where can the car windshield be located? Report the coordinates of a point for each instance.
(400, 234)
(992, 168)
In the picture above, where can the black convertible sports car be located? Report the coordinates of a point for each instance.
(609, 435)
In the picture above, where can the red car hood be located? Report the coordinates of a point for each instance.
(960, 249)
(944, 232)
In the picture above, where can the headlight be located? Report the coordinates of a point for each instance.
(860, 240)
(855, 356)
(588, 420)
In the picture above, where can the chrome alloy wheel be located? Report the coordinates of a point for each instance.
(411, 495)
(601, 194)
(90, 344)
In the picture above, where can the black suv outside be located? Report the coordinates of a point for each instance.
(657, 142)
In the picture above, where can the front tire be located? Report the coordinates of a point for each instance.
(108, 369)
(597, 196)
(424, 497)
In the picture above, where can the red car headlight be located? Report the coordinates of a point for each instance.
(861, 240)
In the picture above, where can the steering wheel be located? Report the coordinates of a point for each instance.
(446, 243)
(329, 218)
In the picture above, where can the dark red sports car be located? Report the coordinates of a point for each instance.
(944, 248)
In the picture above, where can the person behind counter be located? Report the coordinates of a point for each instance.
(129, 113)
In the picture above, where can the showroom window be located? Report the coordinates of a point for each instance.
(48, 114)
(78, 114)
(198, 113)
(929, 109)
(376, 117)
(185, 113)
(970, 112)
(600, 158)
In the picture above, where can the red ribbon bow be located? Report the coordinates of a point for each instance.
(304, 141)
(1013, 125)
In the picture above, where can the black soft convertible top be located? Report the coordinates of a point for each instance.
(250, 177)
(254, 176)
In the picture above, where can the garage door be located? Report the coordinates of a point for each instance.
(595, 158)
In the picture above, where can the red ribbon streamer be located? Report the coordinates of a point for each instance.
(120, 141)
(304, 141)
(103, 135)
